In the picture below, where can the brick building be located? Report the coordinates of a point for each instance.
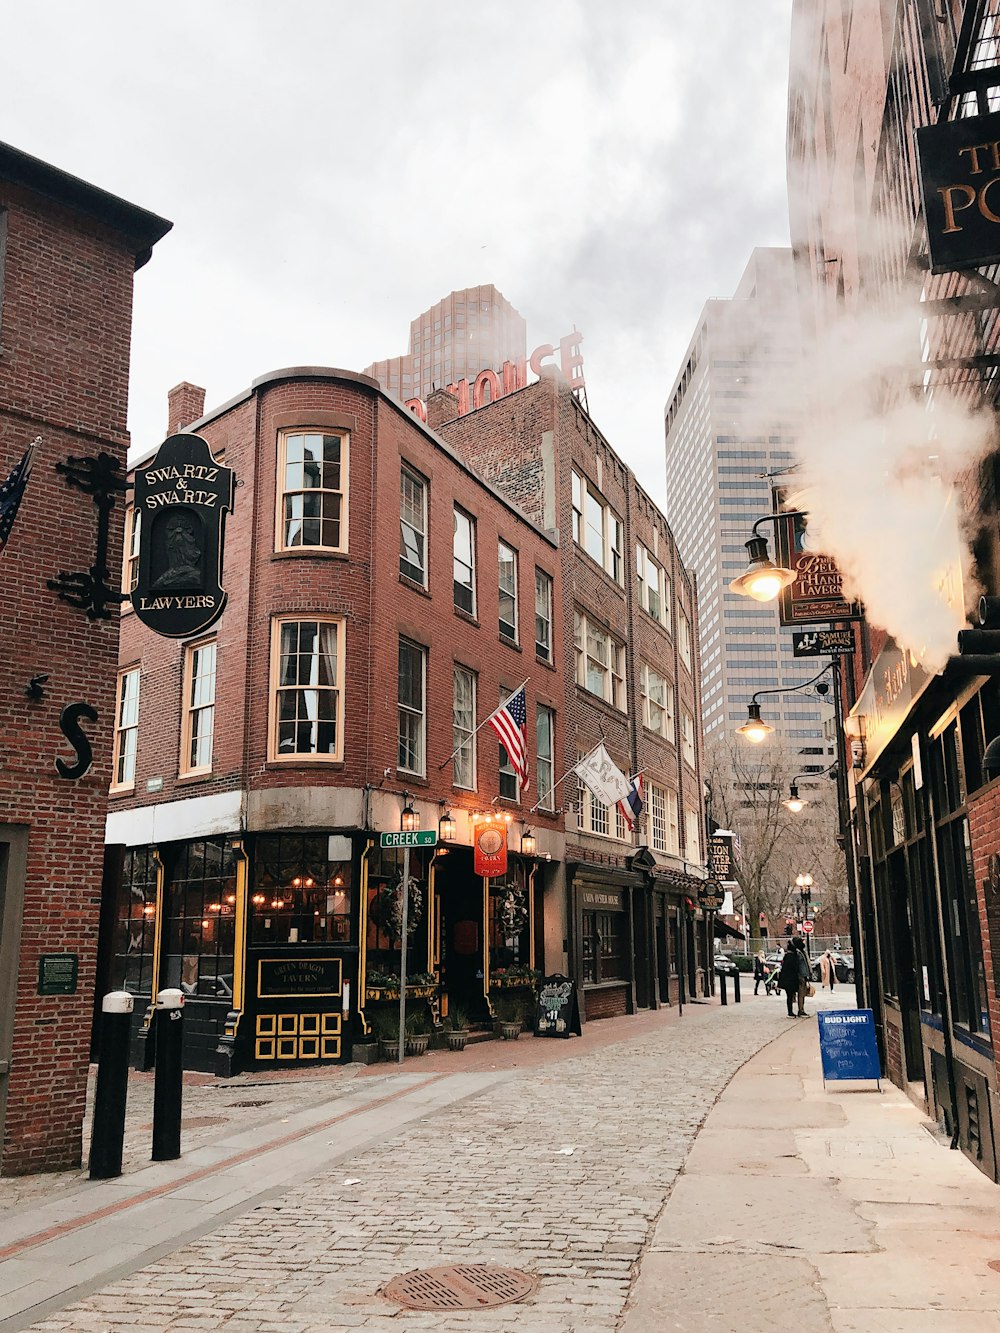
(68, 252)
(629, 677)
(381, 603)
(924, 792)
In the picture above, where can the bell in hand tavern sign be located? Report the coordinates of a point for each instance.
(183, 496)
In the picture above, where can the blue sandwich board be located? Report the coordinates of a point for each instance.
(847, 1045)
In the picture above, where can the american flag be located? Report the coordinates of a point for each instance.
(12, 490)
(631, 804)
(509, 722)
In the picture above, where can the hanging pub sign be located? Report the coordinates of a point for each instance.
(818, 591)
(960, 183)
(722, 856)
(490, 850)
(181, 500)
(823, 643)
(711, 895)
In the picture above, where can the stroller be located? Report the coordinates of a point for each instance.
(771, 981)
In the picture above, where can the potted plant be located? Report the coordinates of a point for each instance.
(457, 1031)
(417, 1034)
(385, 1025)
(509, 1012)
(381, 985)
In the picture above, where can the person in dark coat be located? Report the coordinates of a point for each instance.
(805, 972)
(788, 976)
(759, 970)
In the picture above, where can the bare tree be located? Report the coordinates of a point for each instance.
(749, 785)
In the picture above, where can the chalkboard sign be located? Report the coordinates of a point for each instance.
(557, 1011)
(57, 973)
(289, 977)
(847, 1044)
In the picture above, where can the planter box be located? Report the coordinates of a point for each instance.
(417, 1045)
(456, 1040)
(377, 994)
(512, 983)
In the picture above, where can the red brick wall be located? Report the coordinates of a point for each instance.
(609, 1003)
(64, 334)
(984, 827)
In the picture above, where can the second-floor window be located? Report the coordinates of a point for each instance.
(687, 737)
(464, 556)
(657, 702)
(198, 723)
(600, 661)
(663, 831)
(412, 707)
(307, 666)
(463, 728)
(126, 729)
(413, 526)
(312, 471)
(545, 733)
(692, 835)
(543, 615)
(130, 568)
(508, 591)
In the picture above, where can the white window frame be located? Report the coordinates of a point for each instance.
(126, 743)
(276, 756)
(647, 685)
(664, 833)
(407, 473)
(198, 715)
(130, 561)
(586, 635)
(416, 714)
(684, 638)
(508, 592)
(283, 491)
(692, 837)
(464, 737)
(543, 586)
(647, 566)
(687, 737)
(598, 819)
(462, 515)
(609, 529)
(546, 795)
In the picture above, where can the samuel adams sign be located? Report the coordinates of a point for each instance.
(183, 497)
(960, 181)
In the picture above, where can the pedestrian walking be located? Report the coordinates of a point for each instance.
(805, 973)
(827, 969)
(788, 976)
(759, 971)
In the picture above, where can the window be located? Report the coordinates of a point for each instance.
(463, 727)
(600, 661)
(654, 586)
(687, 740)
(135, 924)
(199, 929)
(543, 615)
(413, 526)
(508, 591)
(307, 675)
(692, 850)
(593, 816)
(597, 528)
(657, 702)
(298, 895)
(130, 567)
(664, 833)
(464, 558)
(545, 731)
(684, 638)
(126, 729)
(412, 716)
(605, 946)
(198, 723)
(312, 510)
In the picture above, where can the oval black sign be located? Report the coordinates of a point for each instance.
(183, 496)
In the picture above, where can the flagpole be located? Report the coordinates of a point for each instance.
(483, 724)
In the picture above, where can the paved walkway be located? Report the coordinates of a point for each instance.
(791, 1206)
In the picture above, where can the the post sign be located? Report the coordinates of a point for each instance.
(181, 501)
(489, 842)
(823, 643)
(960, 183)
(423, 837)
(847, 1044)
(722, 856)
(818, 591)
(711, 895)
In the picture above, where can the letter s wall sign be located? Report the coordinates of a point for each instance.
(69, 722)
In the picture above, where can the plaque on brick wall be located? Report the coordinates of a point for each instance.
(181, 500)
(290, 977)
(57, 973)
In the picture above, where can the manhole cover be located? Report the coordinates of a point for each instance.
(246, 1105)
(460, 1287)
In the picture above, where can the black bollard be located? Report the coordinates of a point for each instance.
(736, 987)
(108, 1130)
(723, 998)
(168, 1080)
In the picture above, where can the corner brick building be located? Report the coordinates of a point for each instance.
(68, 252)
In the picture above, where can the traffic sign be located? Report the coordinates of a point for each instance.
(807, 927)
(416, 838)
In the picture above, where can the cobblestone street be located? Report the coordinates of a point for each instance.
(560, 1170)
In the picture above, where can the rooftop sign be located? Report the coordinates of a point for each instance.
(489, 385)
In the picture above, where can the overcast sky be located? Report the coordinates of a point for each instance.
(333, 169)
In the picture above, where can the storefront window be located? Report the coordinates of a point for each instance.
(605, 946)
(298, 895)
(200, 897)
(385, 901)
(135, 923)
(509, 934)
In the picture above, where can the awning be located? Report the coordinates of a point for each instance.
(722, 931)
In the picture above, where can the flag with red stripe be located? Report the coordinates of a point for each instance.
(510, 724)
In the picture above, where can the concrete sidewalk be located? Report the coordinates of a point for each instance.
(820, 1210)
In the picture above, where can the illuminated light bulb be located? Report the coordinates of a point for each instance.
(764, 586)
(763, 579)
(338, 880)
(310, 882)
(205, 922)
(230, 897)
(795, 804)
(215, 907)
(754, 729)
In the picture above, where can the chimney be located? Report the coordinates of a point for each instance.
(442, 407)
(185, 404)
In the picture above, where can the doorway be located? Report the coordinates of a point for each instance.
(460, 893)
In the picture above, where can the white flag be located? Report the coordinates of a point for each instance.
(603, 776)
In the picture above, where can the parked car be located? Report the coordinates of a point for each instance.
(724, 965)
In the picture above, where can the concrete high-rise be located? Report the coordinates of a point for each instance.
(728, 436)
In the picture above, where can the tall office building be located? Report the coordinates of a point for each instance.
(728, 434)
(466, 332)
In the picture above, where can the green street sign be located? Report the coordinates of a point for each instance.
(418, 838)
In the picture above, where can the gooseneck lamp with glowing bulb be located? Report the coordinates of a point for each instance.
(763, 579)
(795, 802)
(757, 730)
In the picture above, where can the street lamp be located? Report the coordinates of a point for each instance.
(528, 843)
(804, 885)
(754, 728)
(763, 579)
(796, 803)
(446, 826)
(409, 820)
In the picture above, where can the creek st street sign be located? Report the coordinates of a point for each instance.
(418, 838)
